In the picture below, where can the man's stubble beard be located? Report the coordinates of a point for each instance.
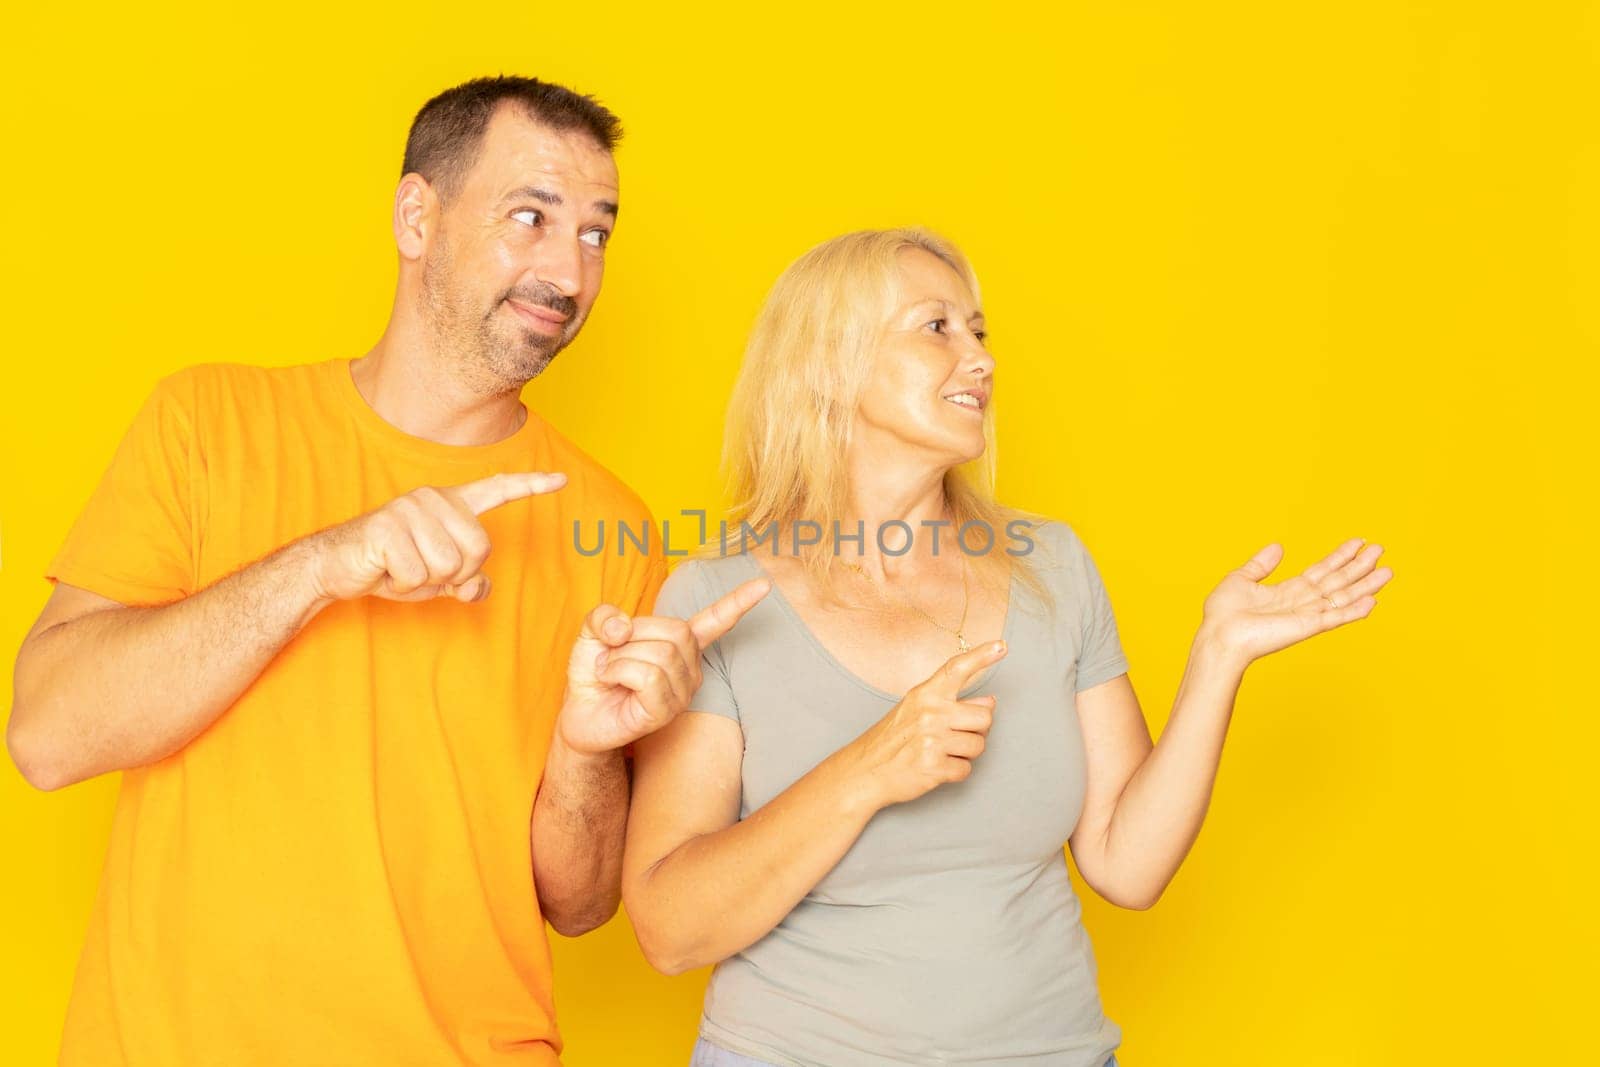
(493, 355)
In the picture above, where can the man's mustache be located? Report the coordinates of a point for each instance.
(546, 296)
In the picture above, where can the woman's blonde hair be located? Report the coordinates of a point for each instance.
(792, 413)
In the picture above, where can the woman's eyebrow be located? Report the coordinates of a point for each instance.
(941, 302)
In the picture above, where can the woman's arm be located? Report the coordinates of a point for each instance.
(1144, 804)
(701, 885)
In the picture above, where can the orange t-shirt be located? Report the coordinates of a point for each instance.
(337, 871)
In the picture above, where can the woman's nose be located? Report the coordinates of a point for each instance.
(978, 359)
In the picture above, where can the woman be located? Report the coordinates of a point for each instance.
(861, 823)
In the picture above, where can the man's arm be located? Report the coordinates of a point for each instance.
(100, 686)
(579, 818)
(625, 678)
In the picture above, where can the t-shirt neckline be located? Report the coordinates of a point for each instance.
(788, 609)
(369, 420)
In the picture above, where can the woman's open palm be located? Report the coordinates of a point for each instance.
(1256, 619)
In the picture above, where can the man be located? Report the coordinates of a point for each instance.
(275, 615)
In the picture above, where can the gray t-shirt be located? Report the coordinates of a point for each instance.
(949, 932)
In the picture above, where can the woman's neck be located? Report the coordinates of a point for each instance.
(892, 501)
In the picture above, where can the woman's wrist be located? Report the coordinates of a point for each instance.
(1212, 648)
(854, 783)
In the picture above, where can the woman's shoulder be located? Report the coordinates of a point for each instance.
(1048, 541)
(699, 581)
(1053, 550)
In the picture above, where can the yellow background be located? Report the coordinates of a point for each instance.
(1254, 272)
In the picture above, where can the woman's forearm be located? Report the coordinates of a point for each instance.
(721, 892)
(1159, 814)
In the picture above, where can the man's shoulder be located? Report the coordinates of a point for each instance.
(602, 487)
(203, 385)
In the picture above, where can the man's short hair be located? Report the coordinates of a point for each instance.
(448, 131)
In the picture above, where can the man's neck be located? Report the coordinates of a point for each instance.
(413, 392)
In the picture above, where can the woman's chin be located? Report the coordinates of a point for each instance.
(970, 453)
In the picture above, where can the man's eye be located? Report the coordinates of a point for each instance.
(598, 238)
(527, 216)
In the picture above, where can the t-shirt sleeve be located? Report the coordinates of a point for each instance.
(646, 577)
(688, 590)
(1100, 656)
(135, 540)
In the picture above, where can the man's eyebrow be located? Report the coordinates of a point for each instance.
(545, 196)
(533, 192)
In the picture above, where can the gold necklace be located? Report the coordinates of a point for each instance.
(966, 602)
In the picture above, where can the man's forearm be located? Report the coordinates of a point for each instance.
(580, 817)
(128, 686)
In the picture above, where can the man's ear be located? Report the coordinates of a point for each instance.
(416, 216)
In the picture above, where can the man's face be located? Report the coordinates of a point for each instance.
(520, 251)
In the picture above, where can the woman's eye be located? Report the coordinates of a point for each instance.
(938, 325)
(527, 216)
(598, 238)
(981, 335)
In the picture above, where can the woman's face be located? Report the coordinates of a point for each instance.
(932, 378)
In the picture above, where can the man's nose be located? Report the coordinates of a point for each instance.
(560, 264)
